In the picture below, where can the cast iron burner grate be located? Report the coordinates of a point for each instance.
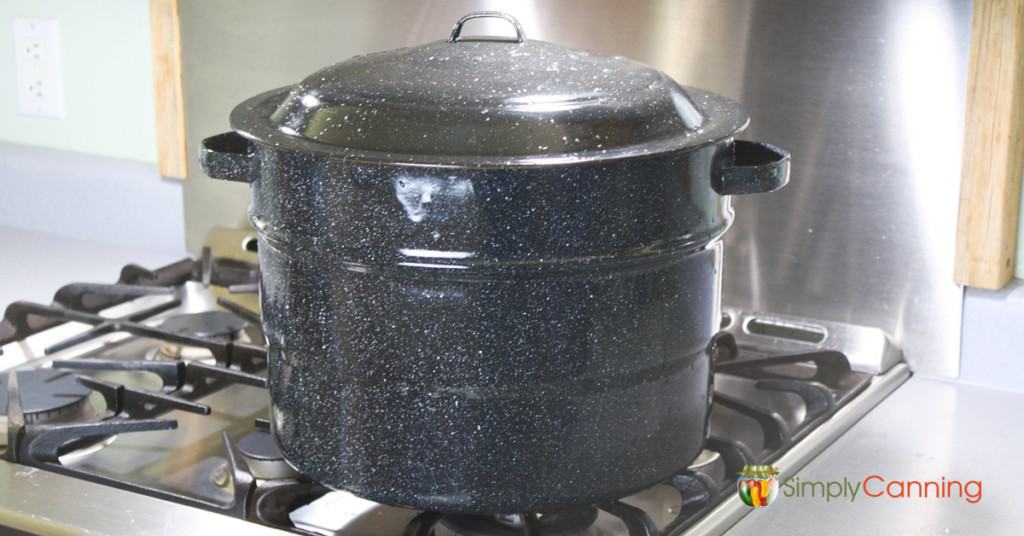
(267, 490)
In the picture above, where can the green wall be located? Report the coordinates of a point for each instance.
(233, 49)
(107, 76)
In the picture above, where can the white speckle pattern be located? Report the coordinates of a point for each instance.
(489, 340)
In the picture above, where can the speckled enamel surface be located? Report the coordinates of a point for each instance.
(490, 271)
(489, 340)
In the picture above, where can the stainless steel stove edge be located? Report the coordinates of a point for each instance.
(731, 510)
(869, 349)
(40, 502)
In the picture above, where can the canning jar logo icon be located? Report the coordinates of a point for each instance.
(758, 485)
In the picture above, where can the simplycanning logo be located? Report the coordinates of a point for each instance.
(879, 487)
(759, 486)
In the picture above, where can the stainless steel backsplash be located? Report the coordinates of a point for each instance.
(867, 95)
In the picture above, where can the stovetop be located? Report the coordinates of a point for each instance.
(155, 386)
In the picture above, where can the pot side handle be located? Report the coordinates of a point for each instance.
(756, 168)
(228, 156)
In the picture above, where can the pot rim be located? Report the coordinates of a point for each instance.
(251, 119)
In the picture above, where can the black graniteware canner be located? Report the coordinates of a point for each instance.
(490, 268)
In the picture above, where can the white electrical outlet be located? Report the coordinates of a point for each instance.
(38, 68)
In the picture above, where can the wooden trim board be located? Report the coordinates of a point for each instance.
(172, 156)
(993, 154)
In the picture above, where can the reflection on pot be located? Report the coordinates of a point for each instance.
(424, 197)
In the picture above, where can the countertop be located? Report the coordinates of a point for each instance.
(926, 430)
(33, 265)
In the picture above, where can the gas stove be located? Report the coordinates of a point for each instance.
(130, 396)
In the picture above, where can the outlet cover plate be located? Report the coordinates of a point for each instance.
(38, 67)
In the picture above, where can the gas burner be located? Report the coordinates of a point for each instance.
(577, 522)
(213, 325)
(47, 395)
(264, 458)
(177, 352)
(206, 324)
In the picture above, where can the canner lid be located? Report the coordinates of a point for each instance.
(470, 101)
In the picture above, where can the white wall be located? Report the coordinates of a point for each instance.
(992, 341)
(1020, 239)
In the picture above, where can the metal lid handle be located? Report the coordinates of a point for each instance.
(457, 29)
